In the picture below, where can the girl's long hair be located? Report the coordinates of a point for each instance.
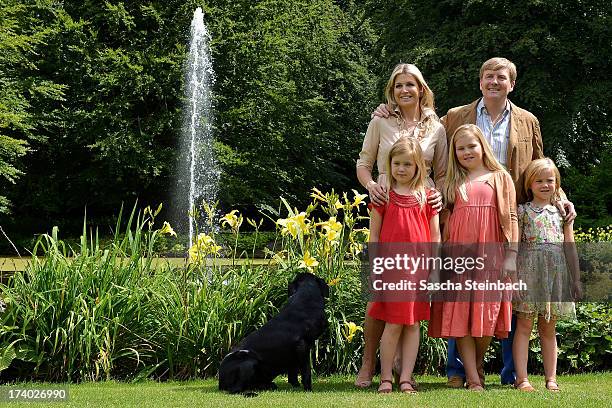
(456, 174)
(531, 172)
(412, 148)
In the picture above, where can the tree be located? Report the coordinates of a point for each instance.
(22, 91)
(294, 94)
(562, 50)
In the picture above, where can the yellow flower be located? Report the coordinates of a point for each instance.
(334, 225)
(358, 199)
(234, 221)
(167, 229)
(294, 225)
(253, 223)
(204, 246)
(300, 219)
(318, 195)
(331, 229)
(308, 262)
(288, 227)
(338, 205)
(334, 282)
(332, 235)
(349, 330)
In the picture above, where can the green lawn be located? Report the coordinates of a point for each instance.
(592, 390)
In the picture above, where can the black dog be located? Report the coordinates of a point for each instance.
(282, 345)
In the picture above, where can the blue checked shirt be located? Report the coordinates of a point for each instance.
(497, 134)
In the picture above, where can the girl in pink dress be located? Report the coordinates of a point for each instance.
(481, 196)
(406, 217)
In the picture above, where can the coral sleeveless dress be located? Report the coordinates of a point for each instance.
(404, 221)
(475, 221)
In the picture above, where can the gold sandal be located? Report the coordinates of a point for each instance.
(524, 385)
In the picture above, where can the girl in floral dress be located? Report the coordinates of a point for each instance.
(546, 251)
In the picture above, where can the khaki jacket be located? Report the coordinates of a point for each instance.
(525, 142)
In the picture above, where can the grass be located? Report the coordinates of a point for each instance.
(585, 390)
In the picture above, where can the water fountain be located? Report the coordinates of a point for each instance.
(198, 159)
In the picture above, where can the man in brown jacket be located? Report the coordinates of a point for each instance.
(513, 133)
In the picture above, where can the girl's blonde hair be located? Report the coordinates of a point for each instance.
(534, 169)
(456, 174)
(426, 99)
(411, 147)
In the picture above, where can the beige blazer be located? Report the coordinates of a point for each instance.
(525, 142)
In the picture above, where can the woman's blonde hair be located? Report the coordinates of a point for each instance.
(426, 96)
(456, 174)
(534, 169)
(411, 147)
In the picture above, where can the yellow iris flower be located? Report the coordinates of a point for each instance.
(232, 220)
(308, 262)
(167, 229)
(349, 330)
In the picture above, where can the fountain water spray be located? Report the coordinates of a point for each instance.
(203, 171)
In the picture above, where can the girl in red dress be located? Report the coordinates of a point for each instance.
(406, 217)
(481, 196)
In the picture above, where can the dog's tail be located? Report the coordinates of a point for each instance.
(238, 371)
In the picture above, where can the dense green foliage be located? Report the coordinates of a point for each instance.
(25, 96)
(292, 92)
(93, 93)
(562, 51)
(293, 96)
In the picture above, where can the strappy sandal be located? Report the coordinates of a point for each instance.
(524, 385)
(396, 370)
(476, 387)
(551, 385)
(361, 382)
(385, 390)
(407, 387)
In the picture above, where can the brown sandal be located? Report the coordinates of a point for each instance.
(407, 388)
(397, 369)
(385, 390)
(476, 387)
(524, 385)
(551, 385)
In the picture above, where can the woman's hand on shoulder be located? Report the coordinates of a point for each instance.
(434, 199)
(567, 210)
(378, 194)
